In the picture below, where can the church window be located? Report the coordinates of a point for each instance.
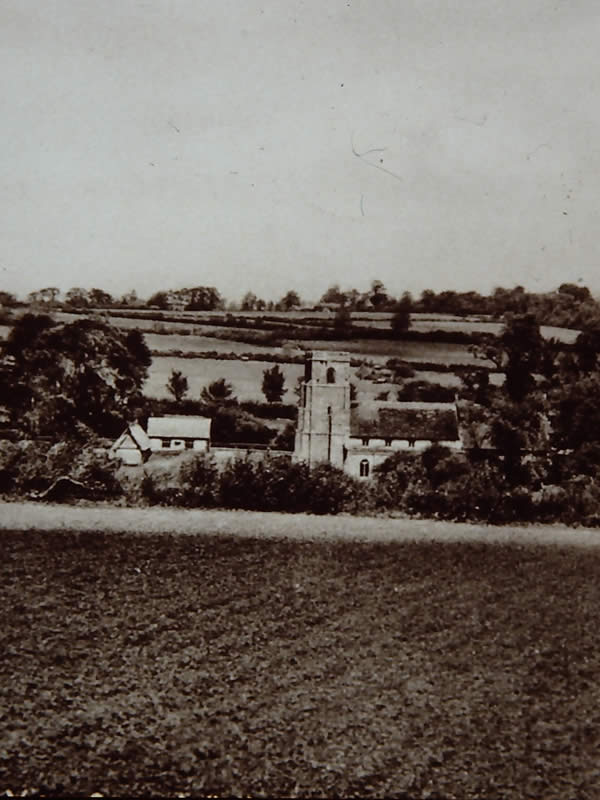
(364, 468)
(388, 442)
(331, 375)
(365, 441)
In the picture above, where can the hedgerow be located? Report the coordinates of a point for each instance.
(437, 483)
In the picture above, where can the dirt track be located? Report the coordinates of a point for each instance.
(24, 516)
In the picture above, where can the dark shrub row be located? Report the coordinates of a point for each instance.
(270, 410)
(424, 391)
(34, 468)
(437, 483)
(274, 484)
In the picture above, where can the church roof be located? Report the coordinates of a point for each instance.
(396, 420)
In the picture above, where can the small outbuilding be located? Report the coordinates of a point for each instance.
(179, 432)
(132, 446)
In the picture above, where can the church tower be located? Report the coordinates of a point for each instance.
(324, 409)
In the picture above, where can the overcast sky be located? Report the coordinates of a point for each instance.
(297, 143)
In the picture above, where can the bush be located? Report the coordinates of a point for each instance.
(233, 425)
(582, 500)
(10, 453)
(33, 467)
(198, 481)
(270, 410)
(401, 369)
(241, 486)
(156, 491)
(97, 470)
(393, 478)
(285, 485)
(551, 503)
(426, 392)
(279, 485)
(476, 494)
(285, 439)
(443, 465)
(331, 490)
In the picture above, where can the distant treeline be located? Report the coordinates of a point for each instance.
(570, 306)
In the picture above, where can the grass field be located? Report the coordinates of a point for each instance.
(381, 350)
(245, 376)
(160, 664)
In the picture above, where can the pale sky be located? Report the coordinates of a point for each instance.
(444, 144)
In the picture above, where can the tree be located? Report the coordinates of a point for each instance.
(50, 295)
(576, 417)
(273, 384)
(522, 343)
(289, 301)
(518, 352)
(82, 376)
(400, 322)
(578, 293)
(7, 300)
(333, 295)
(99, 298)
(34, 298)
(587, 347)
(476, 386)
(249, 301)
(218, 392)
(428, 300)
(342, 324)
(177, 385)
(129, 298)
(76, 297)
(160, 300)
(204, 298)
(378, 295)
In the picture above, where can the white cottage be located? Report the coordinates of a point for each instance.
(179, 432)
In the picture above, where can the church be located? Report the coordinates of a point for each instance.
(356, 436)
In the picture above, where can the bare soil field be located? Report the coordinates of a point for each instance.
(295, 661)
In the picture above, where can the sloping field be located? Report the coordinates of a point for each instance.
(245, 376)
(381, 350)
(195, 344)
(159, 665)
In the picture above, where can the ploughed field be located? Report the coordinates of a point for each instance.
(164, 664)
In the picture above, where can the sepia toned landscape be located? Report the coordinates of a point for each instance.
(299, 380)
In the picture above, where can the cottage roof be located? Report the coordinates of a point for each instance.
(179, 427)
(133, 436)
(396, 420)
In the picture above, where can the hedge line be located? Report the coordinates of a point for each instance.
(436, 483)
